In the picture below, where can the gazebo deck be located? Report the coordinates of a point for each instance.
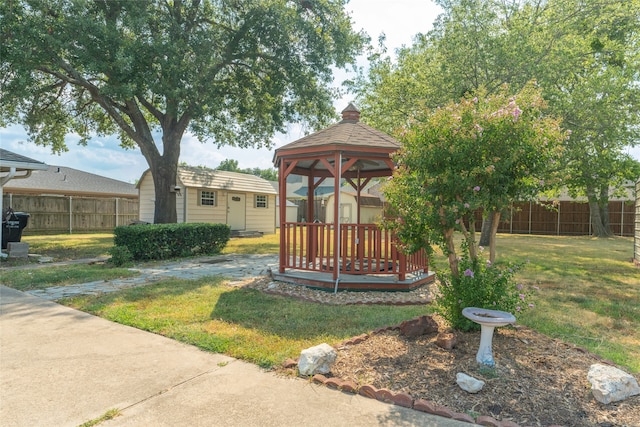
(349, 282)
(367, 258)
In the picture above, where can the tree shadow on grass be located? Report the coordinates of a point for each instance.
(291, 318)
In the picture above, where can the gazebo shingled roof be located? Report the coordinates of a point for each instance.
(349, 136)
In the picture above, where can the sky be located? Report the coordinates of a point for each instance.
(399, 20)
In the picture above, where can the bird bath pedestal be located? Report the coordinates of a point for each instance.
(488, 320)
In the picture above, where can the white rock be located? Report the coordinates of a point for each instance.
(317, 360)
(610, 384)
(468, 383)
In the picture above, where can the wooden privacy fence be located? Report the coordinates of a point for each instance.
(69, 214)
(564, 218)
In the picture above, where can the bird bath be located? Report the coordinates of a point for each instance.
(488, 320)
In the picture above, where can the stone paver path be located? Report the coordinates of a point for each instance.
(234, 267)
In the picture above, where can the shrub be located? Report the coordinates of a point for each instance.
(163, 241)
(120, 256)
(480, 285)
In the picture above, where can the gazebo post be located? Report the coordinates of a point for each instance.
(282, 187)
(311, 235)
(336, 216)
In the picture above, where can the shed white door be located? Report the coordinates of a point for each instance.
(236, 211)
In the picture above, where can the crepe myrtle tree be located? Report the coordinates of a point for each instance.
(484, 152)
(228, 71)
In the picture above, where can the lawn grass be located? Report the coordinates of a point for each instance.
(589, 292)
(63, 247)
(240, 322)
(267, 244)
(589, 296)
(45, 277)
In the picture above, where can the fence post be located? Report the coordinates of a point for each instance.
(530, 209)
(622, 219)
(117, 211)
(70, 214)
(558, 230)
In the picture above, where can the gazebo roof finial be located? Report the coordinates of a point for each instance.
(351, 113)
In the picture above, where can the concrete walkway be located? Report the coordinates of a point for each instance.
(62, 367)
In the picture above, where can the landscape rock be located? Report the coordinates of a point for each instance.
(468, 383)
(610, 384)
(446, 340)
(420, 326)
(317, 360)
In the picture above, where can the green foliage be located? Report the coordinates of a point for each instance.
(585, 56)
(120, 256)
(230, 72)
(483, 152)
(232, 166)
(163, 241)
(482, 285)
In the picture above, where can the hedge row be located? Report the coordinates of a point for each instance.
(163, 241)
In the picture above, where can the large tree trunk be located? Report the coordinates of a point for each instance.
(165, 173)
(599, 210)
(164, 168)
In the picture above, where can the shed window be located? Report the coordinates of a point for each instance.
(261, 201)
(207, 198)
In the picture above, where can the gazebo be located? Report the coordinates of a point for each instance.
(338, 255)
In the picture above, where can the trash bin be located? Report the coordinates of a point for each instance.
(12, 225)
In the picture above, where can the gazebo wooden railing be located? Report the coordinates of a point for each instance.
(363, 249)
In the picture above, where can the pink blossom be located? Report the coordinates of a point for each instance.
(521, 297)
(518, 308)
(531, 306)
(468, 272)
(516, 113)
(466, 205)
(476, 188)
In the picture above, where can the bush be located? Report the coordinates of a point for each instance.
(120, 256)
(163, 241)
(482, 285)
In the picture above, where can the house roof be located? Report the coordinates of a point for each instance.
(190, 176)
(9, 159)
(60, 180)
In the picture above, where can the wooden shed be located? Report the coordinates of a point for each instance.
(245, 202)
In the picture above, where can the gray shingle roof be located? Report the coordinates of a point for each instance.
(10, 159)
(68, 181)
